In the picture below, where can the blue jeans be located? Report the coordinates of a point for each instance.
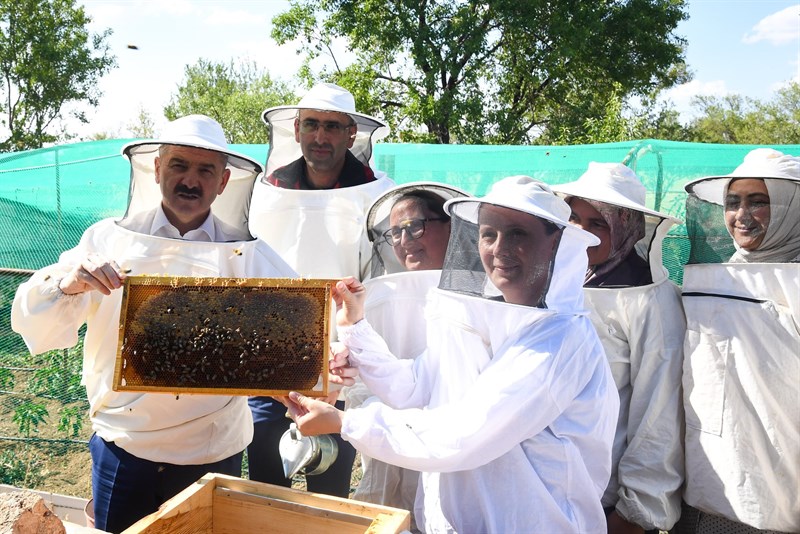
(126, 488)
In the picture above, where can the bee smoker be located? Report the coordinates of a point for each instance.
(306, 455)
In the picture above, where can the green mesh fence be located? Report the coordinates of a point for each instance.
(48, 197)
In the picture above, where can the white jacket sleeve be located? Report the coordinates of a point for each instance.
(400, 383)
(523, 391)
(651, 470)
(45, 317)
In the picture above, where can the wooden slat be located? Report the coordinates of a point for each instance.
(221, 504)
(188, 512)
(239, 513)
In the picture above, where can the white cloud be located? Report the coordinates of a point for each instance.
(281, 61)
(778, 29)
(681, 96)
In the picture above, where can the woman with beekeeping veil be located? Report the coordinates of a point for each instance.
(509, 412)
(741, 370)
(409, 230)
(637, 312)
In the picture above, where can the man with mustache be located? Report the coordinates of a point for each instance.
(311, 208)
(147, 447)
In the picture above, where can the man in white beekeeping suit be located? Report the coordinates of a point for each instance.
(310, 208)
(187, 216)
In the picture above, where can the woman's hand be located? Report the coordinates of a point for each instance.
(341, 373)
(314, 417)
(349, 295)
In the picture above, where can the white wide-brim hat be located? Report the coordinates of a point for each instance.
(325, 97)
(758, 163)
(611, 183)
(381, 208)
(196, 131)
(522, 193)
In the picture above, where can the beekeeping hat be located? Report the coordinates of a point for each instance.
(327, 97)
(521, 193)
(195, 131)
(463, 271)
(758, 163)
(611, 183)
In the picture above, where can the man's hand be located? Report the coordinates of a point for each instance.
(341, 373)
(349, 295)
(95, 273)
(619, 525)
(314, 417)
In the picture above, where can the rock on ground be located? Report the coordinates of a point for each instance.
(25, 512)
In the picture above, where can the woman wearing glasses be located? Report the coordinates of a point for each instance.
(409, 230)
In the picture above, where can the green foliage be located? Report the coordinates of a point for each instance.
(735, 119)
(235, 95)
(11, 343)
(59, 375)
(497, 72)
(143, 127)
(620, 121)
(6, 379)
(16, 470)
(28, 415)
(70, 420)
(48, 59)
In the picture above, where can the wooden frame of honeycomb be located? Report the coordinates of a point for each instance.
(225, 336)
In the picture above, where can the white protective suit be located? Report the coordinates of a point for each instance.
(642, 330)
(320, 233)
(395, 306)
(183, 430)
(510, 411)
(742, 392)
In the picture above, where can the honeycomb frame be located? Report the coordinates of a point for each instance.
(224, 336)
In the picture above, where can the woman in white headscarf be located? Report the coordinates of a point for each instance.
(761, 200)
(741, 370)
(510, 412)
(637, 312)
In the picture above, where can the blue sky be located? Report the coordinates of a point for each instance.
(749, 47)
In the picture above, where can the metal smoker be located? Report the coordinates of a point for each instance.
(306, 455)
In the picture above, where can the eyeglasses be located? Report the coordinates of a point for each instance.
(414, 227)
(308, 126)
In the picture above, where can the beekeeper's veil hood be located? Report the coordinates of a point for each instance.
(615, 191)
(564, 272)
(384, 260)
(196, 131)
(283, 148)
(781, 175)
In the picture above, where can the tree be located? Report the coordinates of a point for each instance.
(143, 126)
(233, 95)
(736, 119)
(490, 72)
(48, 60)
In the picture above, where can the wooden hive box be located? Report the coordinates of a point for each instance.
(226, 336)
(221, 504)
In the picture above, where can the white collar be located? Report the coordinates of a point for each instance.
(163, 228)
